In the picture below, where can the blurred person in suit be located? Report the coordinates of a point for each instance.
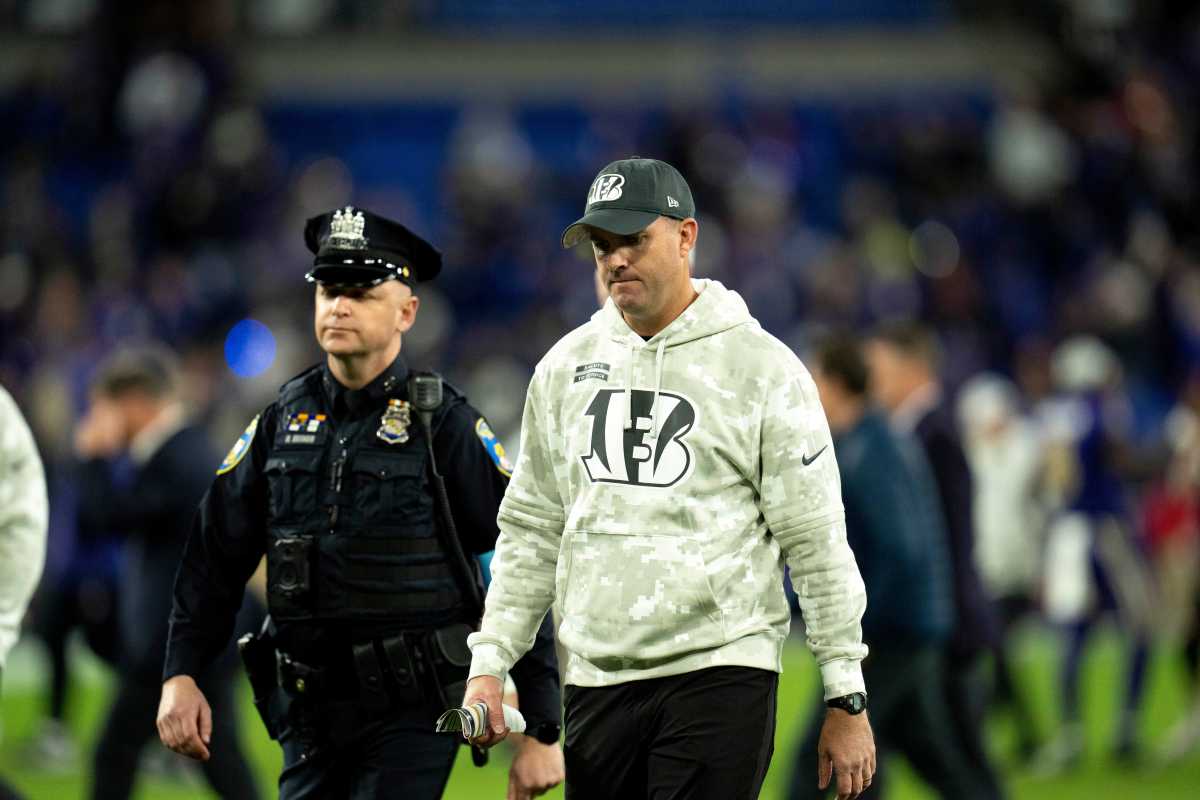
(1004, 451)
(894, 526)
(904, 359)
(136, 415)
(24, 512)
(1098, 563)
(77, 597)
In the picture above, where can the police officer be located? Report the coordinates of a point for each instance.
(372, 581)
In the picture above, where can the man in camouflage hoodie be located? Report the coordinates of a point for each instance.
(673, 457)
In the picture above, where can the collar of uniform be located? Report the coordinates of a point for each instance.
(386, 384)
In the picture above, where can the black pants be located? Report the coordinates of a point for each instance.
(966, 697)
(58, 609)
(704, 734)
(7, 792)
(351, 755)
(130, 725)
(1012, 609)
(909, 716)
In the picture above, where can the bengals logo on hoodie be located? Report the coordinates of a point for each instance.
(633, 442)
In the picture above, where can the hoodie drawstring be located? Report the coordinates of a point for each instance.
(658, 371)
(629, 389)
(658, 365)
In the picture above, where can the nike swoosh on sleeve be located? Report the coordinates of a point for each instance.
(809, 459)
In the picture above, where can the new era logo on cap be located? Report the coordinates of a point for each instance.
(672, 202)
(606, 188)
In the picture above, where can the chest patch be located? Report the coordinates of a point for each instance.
(304, 421)
(596, 369)
(302, 428)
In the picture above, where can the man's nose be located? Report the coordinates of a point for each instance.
(616, 260)
(339, 306)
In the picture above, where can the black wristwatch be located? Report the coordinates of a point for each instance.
(547, 732)
(854, 703)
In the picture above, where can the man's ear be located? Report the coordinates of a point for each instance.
(406, 313)
(689, 230)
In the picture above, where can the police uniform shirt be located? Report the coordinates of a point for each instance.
(230, 530)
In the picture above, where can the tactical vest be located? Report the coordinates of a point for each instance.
(351, 524)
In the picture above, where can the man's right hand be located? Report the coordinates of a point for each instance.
(185, 718)
(846, 753)
(488, 689)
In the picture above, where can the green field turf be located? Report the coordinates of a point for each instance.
(1099, 777)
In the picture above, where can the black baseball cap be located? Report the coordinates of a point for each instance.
(354, 247)
(630, 194)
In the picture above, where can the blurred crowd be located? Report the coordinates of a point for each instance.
(148, 192)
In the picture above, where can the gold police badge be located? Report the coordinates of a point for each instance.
(393, 426)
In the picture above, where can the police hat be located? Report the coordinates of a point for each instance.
(355, 247)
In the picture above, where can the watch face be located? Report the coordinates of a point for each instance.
(547, 733)
(855, 703)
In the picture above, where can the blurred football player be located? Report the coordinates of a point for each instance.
(1093, 562)
(1004, 451)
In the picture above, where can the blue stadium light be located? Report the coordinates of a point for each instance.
(249, 348)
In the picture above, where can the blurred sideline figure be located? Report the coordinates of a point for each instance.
(894, 526)
(1004, 451)
(1096, 564)
(1174, 533)
(78, 593)
(24, 513)
(82, 596)
(135, 412)
(904, 360)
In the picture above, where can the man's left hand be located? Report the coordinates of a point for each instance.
(536, 768)
(847, 751)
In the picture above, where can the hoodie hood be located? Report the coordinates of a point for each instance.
(716, 310)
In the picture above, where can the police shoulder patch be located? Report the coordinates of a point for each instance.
(493, 447)
(240, 447)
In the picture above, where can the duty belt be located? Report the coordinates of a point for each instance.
(409, 668)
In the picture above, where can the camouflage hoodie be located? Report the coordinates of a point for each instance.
(660, 487)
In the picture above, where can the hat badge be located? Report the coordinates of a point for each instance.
(346, 230)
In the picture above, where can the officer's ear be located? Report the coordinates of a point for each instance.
(407, 304)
